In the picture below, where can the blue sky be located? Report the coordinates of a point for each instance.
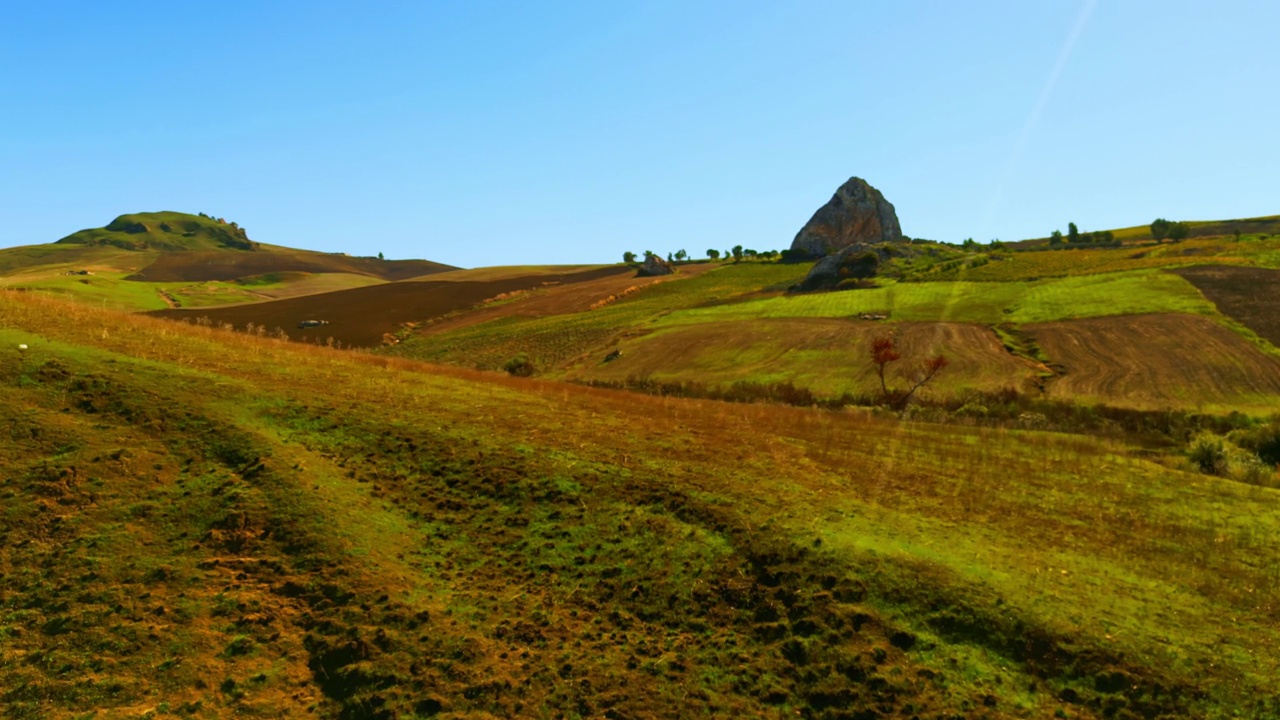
(499, 133)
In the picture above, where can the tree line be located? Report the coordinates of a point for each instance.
(738, 253)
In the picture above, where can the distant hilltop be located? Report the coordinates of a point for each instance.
(167, 230)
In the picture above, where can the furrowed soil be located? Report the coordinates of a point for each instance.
(1157, 360)
(826, 355)
(201, 523)
(1248, 295)
(196, 266)
(360, 317)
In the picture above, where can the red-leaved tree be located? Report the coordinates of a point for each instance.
(884, 351)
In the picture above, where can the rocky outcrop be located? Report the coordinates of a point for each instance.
(121, 224)
(857, 213)
(654, 266)
(850, 264)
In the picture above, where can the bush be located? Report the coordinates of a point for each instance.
(1263, 440)
(1209, 453)
(519, 366)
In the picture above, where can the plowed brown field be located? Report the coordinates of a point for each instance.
(229, 265)
(1248, 294)
(361, 316)
(827, 355)
(1157, 360)
(566, 298)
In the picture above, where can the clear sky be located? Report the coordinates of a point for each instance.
(477, 133)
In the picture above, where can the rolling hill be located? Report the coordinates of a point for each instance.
(201, 523)
(147, 261)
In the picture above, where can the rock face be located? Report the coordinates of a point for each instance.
(854, 262)
(857, 213)
(653, 266)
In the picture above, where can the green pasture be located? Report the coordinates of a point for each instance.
(988, 303)
(701, 551)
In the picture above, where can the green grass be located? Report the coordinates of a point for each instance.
(1005, 266)
(529, 548)
(1017, 302)
(109, 290)
(165, 230)
(550, 341)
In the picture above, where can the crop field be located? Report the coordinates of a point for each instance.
(549, 341)
(554, 298)
(1159, 360)
(827, 356)
(197, 266)
(362, 316)
(1020, 266)
(21, 263)
(507, 272)
(303, 529)
(1017, 302)
(1251, 296)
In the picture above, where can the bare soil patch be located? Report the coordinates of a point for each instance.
(229, 265)
(556, 297)
(1156, 360)
(1248, 294)
(361, 316)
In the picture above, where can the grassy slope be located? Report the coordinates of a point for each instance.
(213, 523)
(721, 328)
(190, 264)
(1002, 266)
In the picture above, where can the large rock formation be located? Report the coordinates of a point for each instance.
(857, 213)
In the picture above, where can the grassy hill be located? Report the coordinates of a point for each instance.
(202, 523)
(149, 261)
(1062, 324)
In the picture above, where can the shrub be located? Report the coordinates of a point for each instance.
(1263, 440)
(519, 366)
(1209, 453)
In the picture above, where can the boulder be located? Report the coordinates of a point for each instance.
(653, 266)
(857, 213)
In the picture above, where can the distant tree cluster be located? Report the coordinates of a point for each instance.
(1076, 238)
(1161, 229)
(738, 253)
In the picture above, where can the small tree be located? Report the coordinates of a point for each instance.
(885, 351)
(1160, 228)
(1073, 234)
(737, 253)
(380, 257)
(681, 254)
(1179, 231)
(713, 254)
(628, 257)
(1056, 238)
